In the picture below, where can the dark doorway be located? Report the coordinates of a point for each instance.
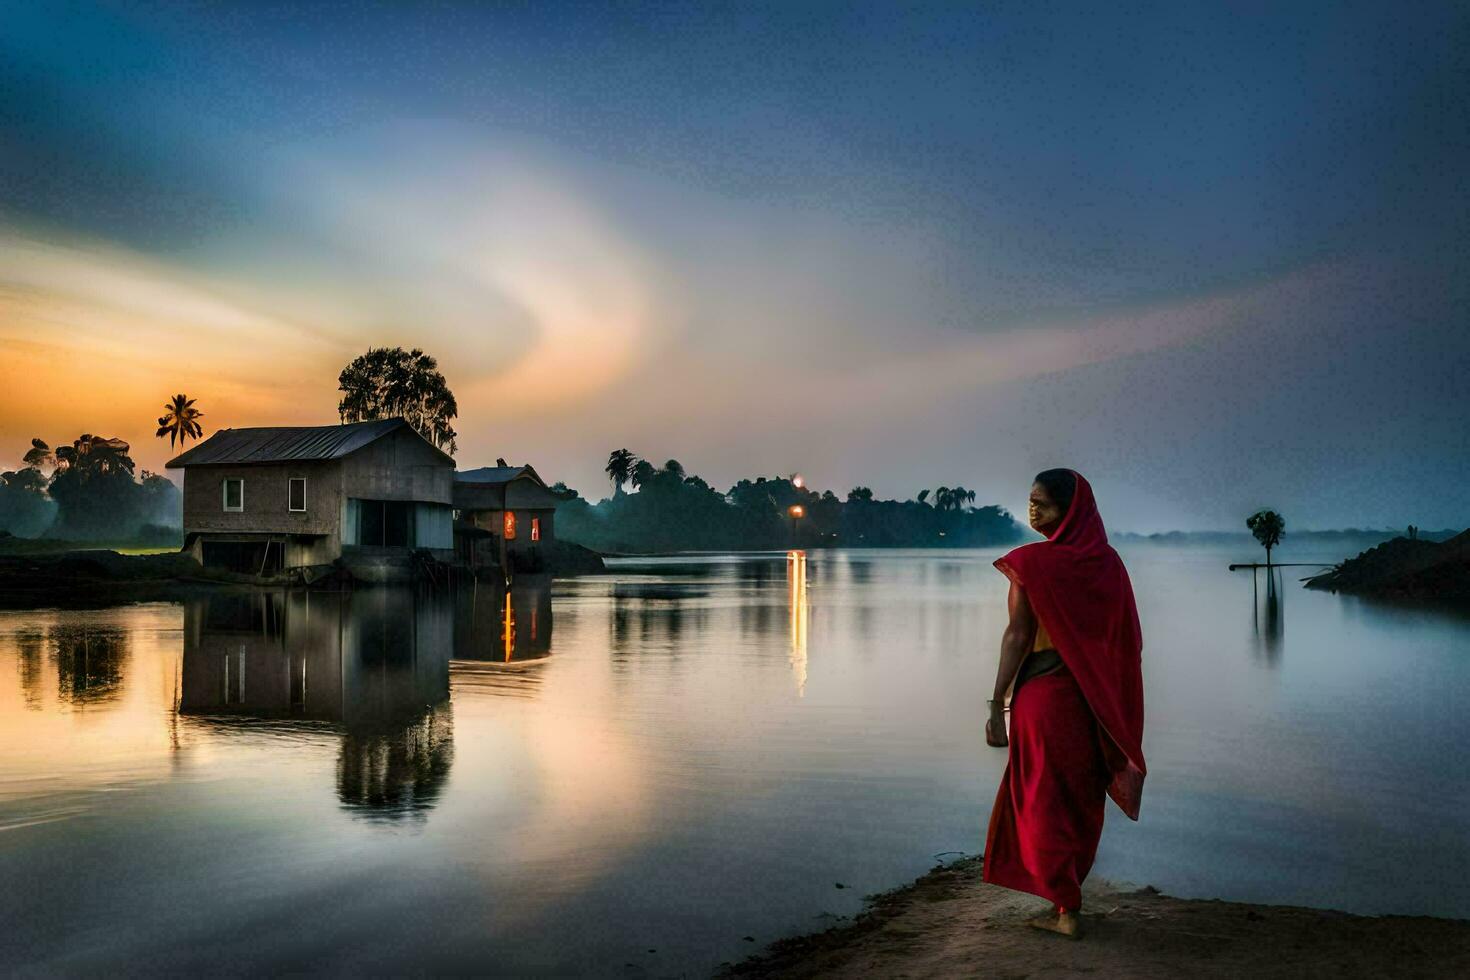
(385, 523)
(252, 557)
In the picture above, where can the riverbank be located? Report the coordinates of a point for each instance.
(948, 924)
(1404, 568)
(32, 579)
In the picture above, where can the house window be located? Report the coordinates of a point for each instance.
(510, 525)
(535, 529)
(296, 494)
(234, 495)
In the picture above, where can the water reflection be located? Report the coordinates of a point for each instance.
(504, 626)
(373, 664)
(650, 618)
(796, 600)
(28, 662)
(89, 662)
(1268, 614)
(577, 786)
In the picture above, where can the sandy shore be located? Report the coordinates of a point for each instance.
(950, 924)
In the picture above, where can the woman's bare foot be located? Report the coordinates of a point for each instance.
(1060, 921)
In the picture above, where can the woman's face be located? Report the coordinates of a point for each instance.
(1041, 510)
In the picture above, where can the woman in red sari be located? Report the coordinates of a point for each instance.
(1071, 656)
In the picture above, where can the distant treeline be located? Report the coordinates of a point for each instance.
(673, 511)
(1236, 537)
(86, 491)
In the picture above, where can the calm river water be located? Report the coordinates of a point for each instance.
(655, 764)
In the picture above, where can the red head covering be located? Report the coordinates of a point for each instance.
(1080, 591)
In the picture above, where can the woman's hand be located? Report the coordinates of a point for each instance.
(995, 726)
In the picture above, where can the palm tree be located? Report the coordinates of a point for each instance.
(953, 498)
(39, 455)
(179, 421)
(675, 467)
(619, 468)
(1267, 526)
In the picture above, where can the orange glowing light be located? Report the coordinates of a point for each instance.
(797, 604)
(508, 629)
(796, 510)
(510, 525)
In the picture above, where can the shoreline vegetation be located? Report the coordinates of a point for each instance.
(949, 923)
(1417, 568)
(673, 511)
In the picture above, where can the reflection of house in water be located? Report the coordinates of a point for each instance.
(504, 626)
(374, 664)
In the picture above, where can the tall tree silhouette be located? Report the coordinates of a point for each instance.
(643, 471)
(953, 498)
(94, 489)
(180, 420)
(39, 455)
(619, 468)
(390, 382)
(1267, 526)
(93, 455)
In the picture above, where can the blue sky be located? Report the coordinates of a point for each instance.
(1213, 256)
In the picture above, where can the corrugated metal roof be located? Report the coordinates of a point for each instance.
(491, 474)
(286, 443)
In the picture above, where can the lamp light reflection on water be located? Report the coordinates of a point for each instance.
(797, 607)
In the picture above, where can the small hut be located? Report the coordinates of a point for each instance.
(505, 516)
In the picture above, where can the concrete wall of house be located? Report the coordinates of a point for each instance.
(265, 503)
(494, 522)
(524, 493)
(400, 466)
(314, 534)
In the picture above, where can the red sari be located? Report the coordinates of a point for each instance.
(1076, 734)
